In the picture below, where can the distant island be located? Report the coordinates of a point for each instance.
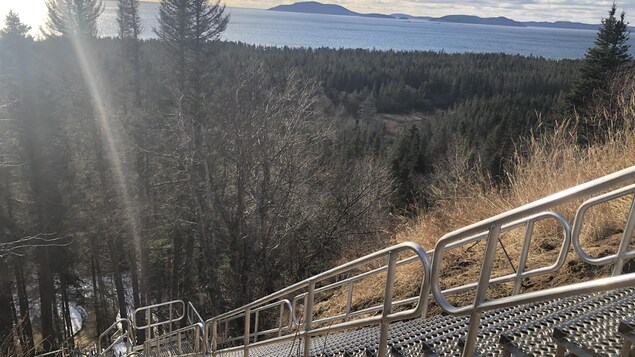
(314, 7)
(469, 19)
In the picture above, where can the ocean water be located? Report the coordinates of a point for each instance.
(271, 28)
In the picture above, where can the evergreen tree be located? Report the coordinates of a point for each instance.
(185, 29)
(129, 31)
(185, 26)
(73, 17)
(14, 28)
(601, 62)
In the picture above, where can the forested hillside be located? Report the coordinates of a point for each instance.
(140, 171)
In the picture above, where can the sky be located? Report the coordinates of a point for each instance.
(33, 12)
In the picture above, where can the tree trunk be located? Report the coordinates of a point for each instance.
(116, 252)
(47, 299)
(6, 297)
(23, 301)
(177, 243)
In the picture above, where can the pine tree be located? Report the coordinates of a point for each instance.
(185, 26)
(129, 31)
(14, 28)
(73, 17)
(601, 62)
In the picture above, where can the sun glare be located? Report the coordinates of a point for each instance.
(32, 12)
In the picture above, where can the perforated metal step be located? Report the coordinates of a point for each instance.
(627, 330)
(534, 338)
(524, 330)
(489, 334)
(596, 333)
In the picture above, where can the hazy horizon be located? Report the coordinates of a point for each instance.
(33, 12)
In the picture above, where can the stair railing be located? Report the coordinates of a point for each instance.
(490, 230)
(185, 341)
(349, 285)
(224, 321)
(123, 337)
(623, 253)
(308, 288)
(194, 318)
(175, 313)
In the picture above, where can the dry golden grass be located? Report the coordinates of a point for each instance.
(550, 163)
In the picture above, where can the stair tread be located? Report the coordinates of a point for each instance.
(534, 337)
(597, 331)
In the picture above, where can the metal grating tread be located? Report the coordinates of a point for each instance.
(597, 332)
(531, 327)
(450, 344)
(534, 338)
(627, 329)
(489, 334)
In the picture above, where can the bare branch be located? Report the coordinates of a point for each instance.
(38, 240)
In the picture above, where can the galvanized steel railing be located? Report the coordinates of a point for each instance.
(175, 313)
(492, 228)
(223, 321)
(123, 337)
(186, 341)
(307, 289)
(207, 339)
(194, 318)
(623, 253)
(349, 285)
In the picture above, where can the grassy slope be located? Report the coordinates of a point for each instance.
(550, 164)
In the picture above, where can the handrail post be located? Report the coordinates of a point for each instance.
(481, 290)
(390, 282)
(170, 316)
(197, 341)
(148, 329)
(626, 240)
(256, 327)
(349, 301)
(308, 318)
(214, 337)
(247, 328)
(425, 297)
(523, 258)
(280, 319)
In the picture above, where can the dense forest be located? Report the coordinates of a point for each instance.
(136, 171)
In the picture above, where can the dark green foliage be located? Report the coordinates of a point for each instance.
(129, 31)
(601, 62)
(68, 18)
(263, 164)
(407, 162)
(14, 28)
(488, 100)
(128, 19)
(184, 27)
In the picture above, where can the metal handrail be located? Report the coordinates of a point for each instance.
(306, 330)
(147, 310)
(192, 314)
(622, 253)
(520, 273)
(292, 322)
(110, 331)
(492, 228)
(193, 317)
(349, 283)
(178, 337)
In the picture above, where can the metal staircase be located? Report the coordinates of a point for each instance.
(591, 318)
